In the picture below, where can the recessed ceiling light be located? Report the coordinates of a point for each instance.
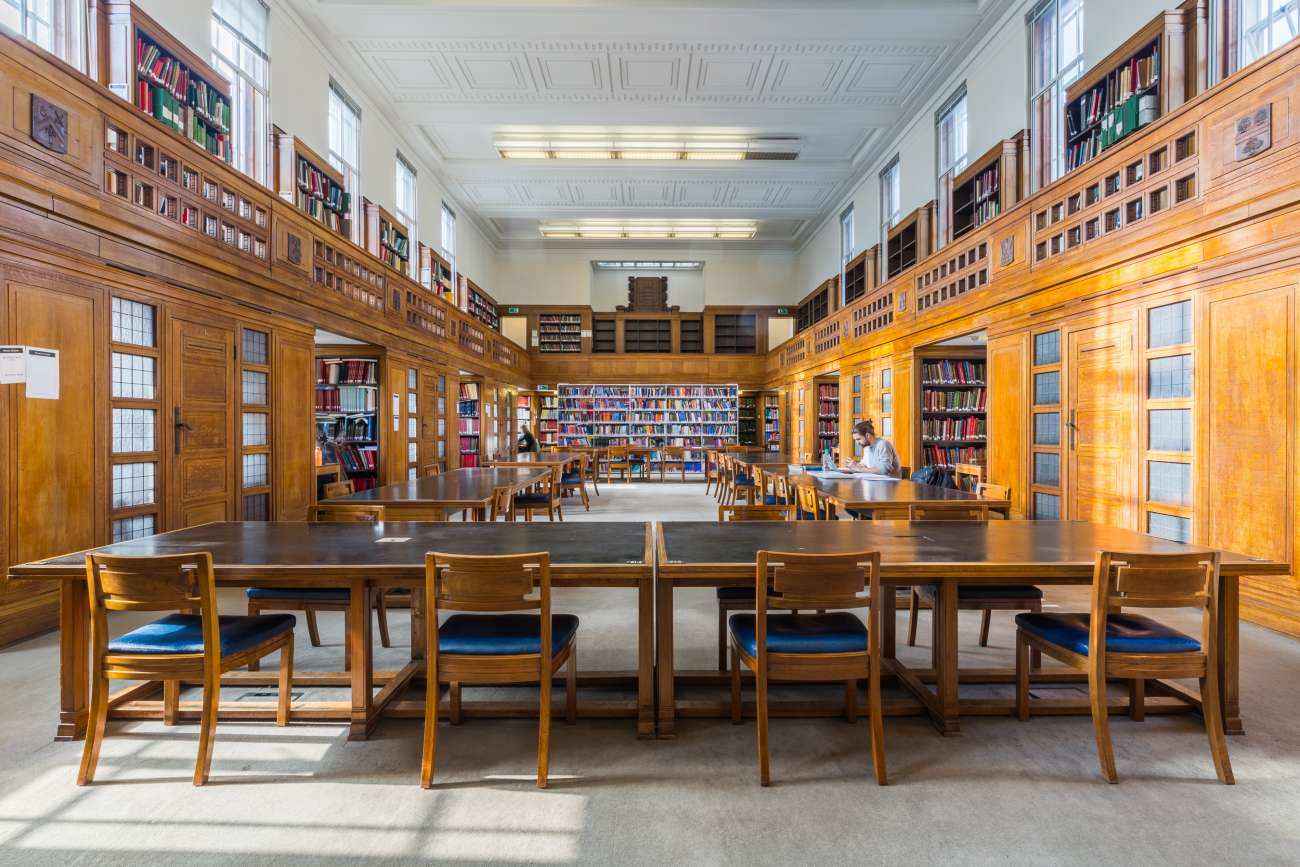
(644, 148)
(524, 155)
(686, 230)
(583, 155)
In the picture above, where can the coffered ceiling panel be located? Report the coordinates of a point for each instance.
(829, 79)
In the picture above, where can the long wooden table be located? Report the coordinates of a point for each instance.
(539, 459)
(774, 460)
(360, 556)
(431, 497)
(943, 553)
(867, 494)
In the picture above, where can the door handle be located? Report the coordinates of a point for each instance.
(177, 427)
(1074, 429)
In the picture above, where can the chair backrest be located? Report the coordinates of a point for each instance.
(752, 513)
(806, 458)
(821, 581)
(489, 583)
(780, 486)
(761, 482)
(349, 512)
(967, 476)
(339, 489)
(1122, 579)
(736, 447)
(808, 503)
(958, 511)
(990, 491)
(431, 470)
(503, 499)
(711, 463)
(617, 454)
(171, 582)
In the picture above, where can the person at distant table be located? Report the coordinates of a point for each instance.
(878, 455)
(527, 442)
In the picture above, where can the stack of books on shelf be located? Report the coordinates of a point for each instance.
(175, 96)
(347, 395)
(467, 408)
(548, 420)
(828, 416)
(772, 422)
(322, 198)
(394, 247)
(1124, 101)
(956, 429)
(954, 402)
(559, 332)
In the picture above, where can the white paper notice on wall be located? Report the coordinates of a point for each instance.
(397, 413)
(13, 365)
(42, 373)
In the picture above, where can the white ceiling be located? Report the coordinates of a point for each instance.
(839, 74)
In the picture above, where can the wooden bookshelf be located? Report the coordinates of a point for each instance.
(693, 416)
(1139, 81)
(860, 276)
(990, 186)
(559, 332)
(470, 422)
(151, 69)
(828, 415)
(910, 241)
(817, 305)
(387, 239)
(347, 411)
(735, 333)
(604, 335)
(548, 418)
(481, 306)
(748, 431)
(435, 273)
(952, 395)
(306, 180)
(647, 335)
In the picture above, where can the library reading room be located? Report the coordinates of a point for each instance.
(894, 400)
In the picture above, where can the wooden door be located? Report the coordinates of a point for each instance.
(1101, 426)
(201, 423)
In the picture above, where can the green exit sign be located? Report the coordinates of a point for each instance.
(512, 310)
(783, 311)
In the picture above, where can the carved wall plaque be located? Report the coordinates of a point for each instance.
(1254, 133)
(49, 125)
(293, 248)
(1008, 251)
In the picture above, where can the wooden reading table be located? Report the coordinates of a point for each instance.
(431, 497)
(862, 494)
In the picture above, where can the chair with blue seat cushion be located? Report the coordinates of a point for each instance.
(576, 480)
(498, 640)
(809, 506)
(191, 643)
(545, 497)
(834, 646)
(672, 459)
(313, 600)
(1108, 643)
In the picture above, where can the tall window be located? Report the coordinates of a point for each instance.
(345, 148)
(1055, 61)
(950, 150)
(449, 240)
(891, 206)
(408, 207)
(846, 248)
(1264, 26)
(240, 53)
(58, 26)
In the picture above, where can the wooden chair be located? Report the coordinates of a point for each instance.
(670, 457)
(339, 489)
(621, 458)
(430, 470)
(970, 597)
(739, 481)
(503, 501)
(1106, 642)
(740, 598)
(490, 646)
(192, 643)
(712, 474)
(990, 491)
(592, 468)
(735, 448)
(545, 496)
(312, 600)
(808, 506)
(967, 476)
(829, 647)
(577, 481)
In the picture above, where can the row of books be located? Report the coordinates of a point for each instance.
(643, 391)
(828, 391)
(469, 391)
(1130, 79)
(346, 398)
(828, 408)
(319, 210)
(970, 427)
(468, 425)
(358, 458)
(316, 185)
(347, 371)
(965, 400)
(827, 427)
(949, 456)
(953, 372)
(1082, 150)
(356, 427)
(166, 76)
(985, 184)
(985, 211)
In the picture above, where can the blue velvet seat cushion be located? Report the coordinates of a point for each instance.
(774, 500)
(859, 514)
(744, 480)
(183, 633)
(736, 592)
(571, 479)
(532, 499)
(806, 516)
(315, 594)
(503, 634)
(835, 632)
(996, 591)
(1125, 633)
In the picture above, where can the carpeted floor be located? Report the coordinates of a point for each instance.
(1002, 792)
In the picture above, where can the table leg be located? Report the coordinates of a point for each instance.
(1230, 654)
(417, 623)
(945, 615)
(645, 658)
(889, 621)
(363, 662)
(74, 660)
(664, 657)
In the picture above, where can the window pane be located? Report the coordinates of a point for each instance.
(887, 377)
(1047, 388)
(1173, 527)
(255, 471)
(133, 376)
(887, 402)
(1169, 482)
(1047, 347)
(1047, 506)
(257, 507)
(133, 430)
(1047, 469)
(254, 388)
(1170, 325)
(887, 427)
(1170, 377)
(133, 322)
(132, 485)
(255, 429)
(126, 529)
(1171, 430)
(255, 347)
(1047, 428)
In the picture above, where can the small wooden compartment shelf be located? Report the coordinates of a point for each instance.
(311, 184)
(559, 332)
(435, 273)
(989, 186)
(816, 306)
(860, 276)
(481, 306)
(910, 241)
(386, 238)
(647, 335)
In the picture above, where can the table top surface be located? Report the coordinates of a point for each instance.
(540, 458)
(472, 485)
(865, 493)
(962, 547)
(766, 459)
(276, 547)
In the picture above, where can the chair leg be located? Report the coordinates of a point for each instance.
(429, 750)
(1022, 676)
(722, 636)
(851, 701)
(97, 722)
(347, 642)
(286, 683)
(453, 699)
(381, 611)
(571, 686)
(207, 726)
(760, 695)
(544, 730)
(313, 629)
(1137, 699)
(735, 687)
(171, 701)
(986, 619)
(253, 610)
(876, 714)
(913, 608)
(586, 503)
(1213, 715)
(1101, 722)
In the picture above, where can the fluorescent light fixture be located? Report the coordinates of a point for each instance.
(649, 155)
(650, 145)
(513, 154)
(644, 148)
(584, 155)
(715, 155)
(616, 265)
(716, 146)
(686, 230)
(581, 144)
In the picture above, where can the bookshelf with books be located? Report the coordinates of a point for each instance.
(469, 422)
(860, 275)
(990, 186)
(770, 409)
(748, 420)
(910, 240)
(524, 414)
(154, 71)
(386, 238)
(346, 413)
(696, 417)
(435, 273)
(559, 332)
(952, 408)
(548, 419)
(307, 180)
(817, 305)
(1131, 87)
(828, 416)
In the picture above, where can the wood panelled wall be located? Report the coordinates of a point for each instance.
(1177, 215)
